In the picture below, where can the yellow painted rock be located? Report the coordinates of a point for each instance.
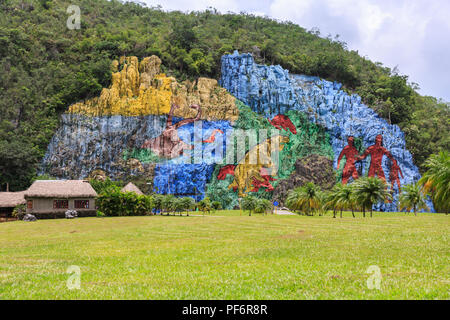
(138, 88)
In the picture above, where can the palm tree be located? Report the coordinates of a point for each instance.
(205, 205)
(263, 206)
(178, 205)
(216, 205)
(345, 198)
(188, 204)
(323, 202)
(436, 181)
(157, 202)
(333, 198)
(249, 203)
(304, 198)
(412, 197)
(369, 191)
(167, 203)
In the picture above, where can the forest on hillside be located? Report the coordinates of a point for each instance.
(45, 67)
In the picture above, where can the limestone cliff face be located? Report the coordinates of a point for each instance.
(139, 89)
(106, 133)
(121, 132)
(272, 90)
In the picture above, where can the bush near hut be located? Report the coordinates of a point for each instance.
(113, 202)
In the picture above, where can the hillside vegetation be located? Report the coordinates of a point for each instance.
(45, 67)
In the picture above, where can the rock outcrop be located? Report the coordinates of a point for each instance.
(139, 89)
(313, 168)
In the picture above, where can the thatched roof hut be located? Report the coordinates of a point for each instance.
(52, 198)
(131, 187)
(11, 199)
(60, 189)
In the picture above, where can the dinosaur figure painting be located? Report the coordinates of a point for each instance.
(249, 177)
(283, 122)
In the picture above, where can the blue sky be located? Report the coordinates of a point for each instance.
(413, 35)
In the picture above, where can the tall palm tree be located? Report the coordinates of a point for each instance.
(323, 202)
(167, 203)
(412, 197)
(345, 198)
(369, 191)
(332, 199)
(436, 181)
(304, 198)
(188, 204)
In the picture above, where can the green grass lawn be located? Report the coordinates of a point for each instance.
(227, 256)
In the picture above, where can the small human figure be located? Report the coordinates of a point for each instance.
(376, 152)
(393, 175)
(351, 155)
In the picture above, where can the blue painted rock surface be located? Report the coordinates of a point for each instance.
(271, 90)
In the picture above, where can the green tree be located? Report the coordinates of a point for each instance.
(323, 197)
(113, 202)
(436, 180)
(412, 197)
(249, 203)
(158, 202)
(205, 205)
(178, 205)
(305, 198)
(188, 204)
(345, 198)
(216, 205)
(101, 186)
(263, 206)
(168, 203)
(369, 191)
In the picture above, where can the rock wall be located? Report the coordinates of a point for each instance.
(139, 89)
(130, 130)
(106, 134)
(312, 168)
(272, 90)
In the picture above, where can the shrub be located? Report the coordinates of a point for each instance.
(216, 205)
(249, 203)
(204, 205)
(113, 202)
(19, 211)
(263, 206)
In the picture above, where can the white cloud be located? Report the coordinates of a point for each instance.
(413, 35)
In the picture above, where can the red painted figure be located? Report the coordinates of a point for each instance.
(376, 152)
(264, 183)
(283, 122)
(393, 175)
(228, 169)
(351, 155)
(212, 138)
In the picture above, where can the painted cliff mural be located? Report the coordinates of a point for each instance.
(178, 136)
